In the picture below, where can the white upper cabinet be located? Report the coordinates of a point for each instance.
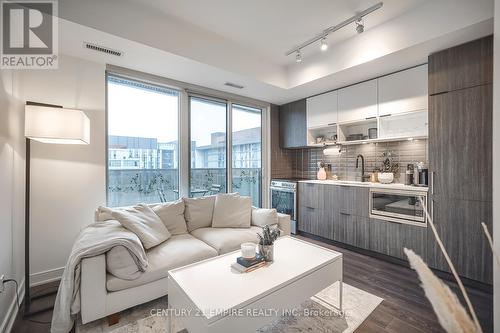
(404, 91)
(358, 102)
(322, 110)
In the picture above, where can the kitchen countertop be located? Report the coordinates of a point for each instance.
(393, 186)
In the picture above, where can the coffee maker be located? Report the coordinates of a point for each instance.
(420, 174)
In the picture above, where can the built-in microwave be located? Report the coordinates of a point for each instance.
(400, 206)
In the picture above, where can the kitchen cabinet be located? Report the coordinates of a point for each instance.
(293, 131)
(385, 238)
(352, 230)
(460, 143)
(458, 223)
(315, 214)
(310, 209)
(403, 91)
(308, 220)
(358, 101)
(353, 200)
(321, 110)
(309, 195)
(460, 157)
(391, 238)
(463, 66)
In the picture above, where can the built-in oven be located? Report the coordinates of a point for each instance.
(283, 196)
(400, 206)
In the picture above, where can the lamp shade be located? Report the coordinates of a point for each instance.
(56, 125)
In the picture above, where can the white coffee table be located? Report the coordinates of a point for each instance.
(208, 296)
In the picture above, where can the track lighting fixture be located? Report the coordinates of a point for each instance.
(298, 56)
(324, 44)
(360, 26)
(357, 19)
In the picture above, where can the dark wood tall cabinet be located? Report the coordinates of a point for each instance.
(293, 124)
(460, 156)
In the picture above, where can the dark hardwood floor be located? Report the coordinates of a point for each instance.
(404, 309)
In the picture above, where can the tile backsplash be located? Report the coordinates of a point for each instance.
(304, 162)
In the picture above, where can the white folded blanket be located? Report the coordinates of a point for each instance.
(95, 239)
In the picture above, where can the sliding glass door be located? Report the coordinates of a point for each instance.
(208, 124)
(142, 139)
(247, 152)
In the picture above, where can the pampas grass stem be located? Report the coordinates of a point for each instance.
(452, 268)
(490, 240)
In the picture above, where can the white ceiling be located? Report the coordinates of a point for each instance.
(211, 42)
(270, 28)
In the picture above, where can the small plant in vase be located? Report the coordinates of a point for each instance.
(266, 241)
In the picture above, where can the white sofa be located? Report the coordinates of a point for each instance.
(103, 294)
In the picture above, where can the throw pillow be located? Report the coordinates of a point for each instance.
(232, 211)
(172, 215)
(143, 222)
(199, 212)
(263, 216)
(119, 262)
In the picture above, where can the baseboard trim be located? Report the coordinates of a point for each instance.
(47, 276)
(11, 315)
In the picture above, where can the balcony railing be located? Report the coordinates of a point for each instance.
(132, 186)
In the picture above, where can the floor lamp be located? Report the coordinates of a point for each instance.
(49, 124)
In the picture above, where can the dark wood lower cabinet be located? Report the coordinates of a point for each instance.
(352, 230)
(458, 223)
(385, 238)
(335, 213)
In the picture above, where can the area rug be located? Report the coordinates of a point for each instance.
(314, 315)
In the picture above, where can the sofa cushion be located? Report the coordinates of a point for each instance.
(225, 240)
(120, 263)
(264, 216)
(143, 222)
(232, 211)
(172, 215)
(177, 251)
(199, 212)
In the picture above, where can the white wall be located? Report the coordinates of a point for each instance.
(67, 181)
(496, 164)
(11, 193)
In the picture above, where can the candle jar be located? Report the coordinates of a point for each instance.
(248, 250)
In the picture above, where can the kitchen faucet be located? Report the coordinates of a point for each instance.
(363, 177)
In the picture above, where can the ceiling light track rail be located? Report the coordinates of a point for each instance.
(334, 28)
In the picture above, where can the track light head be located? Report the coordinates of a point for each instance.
(298, 57)
(360, 26)
(324, 44)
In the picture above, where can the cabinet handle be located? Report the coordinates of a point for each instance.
(309, 207)
(432, 181)
(385, 115)
(332, 124)
(370, 118)
(344, 213)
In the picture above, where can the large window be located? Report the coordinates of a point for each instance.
(142, 142)
(164, 143)
(247, 152)
(208, 147)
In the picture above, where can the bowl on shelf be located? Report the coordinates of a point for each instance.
(385, 177)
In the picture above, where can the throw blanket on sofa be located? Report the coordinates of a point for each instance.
(95, 239)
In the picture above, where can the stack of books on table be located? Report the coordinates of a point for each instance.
(244, 265)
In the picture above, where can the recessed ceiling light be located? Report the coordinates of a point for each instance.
(324, 44)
